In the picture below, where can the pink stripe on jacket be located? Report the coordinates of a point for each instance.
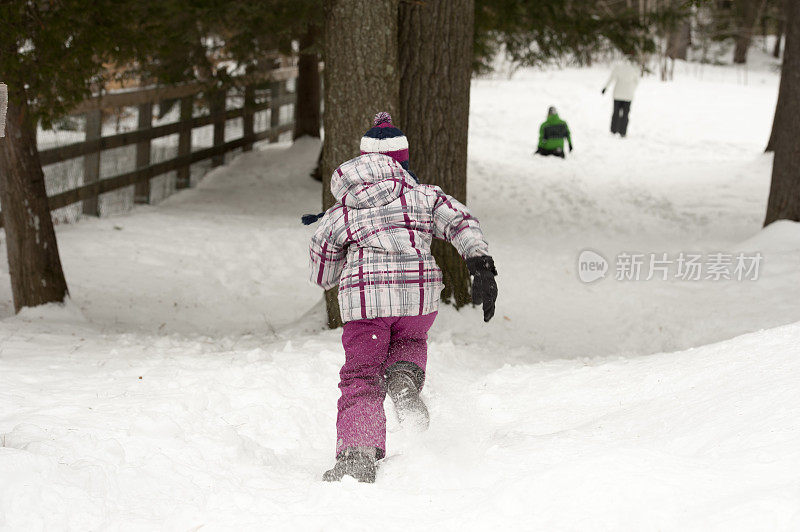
(378, 238)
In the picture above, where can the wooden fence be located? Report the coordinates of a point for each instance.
(267, 91)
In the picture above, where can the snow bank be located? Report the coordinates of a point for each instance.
(190, 383)
(131, 432)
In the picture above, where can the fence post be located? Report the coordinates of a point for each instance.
(247, 117)
(275, 94)
(218, 104)
(183, 175)
(91, 161)
(141, 193)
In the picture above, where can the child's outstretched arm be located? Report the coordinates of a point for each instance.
(453, 222)
(326, 256)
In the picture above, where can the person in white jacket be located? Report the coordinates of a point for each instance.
(625, 77)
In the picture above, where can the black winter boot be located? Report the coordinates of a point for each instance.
(403, 383)
(356, 462)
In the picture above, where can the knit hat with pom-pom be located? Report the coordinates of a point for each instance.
(382, 138)
(385, 138)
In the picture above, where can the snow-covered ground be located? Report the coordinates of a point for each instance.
(189, 384)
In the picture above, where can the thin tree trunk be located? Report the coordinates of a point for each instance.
(784, 193)
(361, 79)
(33, 261)
(435, 70)
(679, 39)
(307, 109)
(747, 15)
(742, 46)
(781, 25)
(776, 51)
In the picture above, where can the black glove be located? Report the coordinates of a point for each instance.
(484, 288)
(603, 91)
(570, 148)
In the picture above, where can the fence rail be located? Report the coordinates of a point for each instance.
(271, 87)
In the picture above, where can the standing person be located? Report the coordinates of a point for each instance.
(552, 133)
(375, 244)
(625, 77)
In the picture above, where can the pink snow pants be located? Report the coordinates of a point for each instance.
(371, 347)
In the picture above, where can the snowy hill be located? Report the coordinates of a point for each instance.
(189, 383)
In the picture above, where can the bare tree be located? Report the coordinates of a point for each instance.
(361, 78)
(436, 41)
(784, 193)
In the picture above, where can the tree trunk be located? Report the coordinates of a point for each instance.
(776, 51)
(3, 108)
(747, 15)
(33, 261)
(361, 79)
(307, 110)
(784, 193)
(742, 45)
(434, 110)
(781, 27)
(780, 111)
(775, 126)
(679, 39)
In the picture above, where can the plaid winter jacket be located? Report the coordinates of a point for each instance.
(375, 242)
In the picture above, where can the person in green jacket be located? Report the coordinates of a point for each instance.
(552, 133)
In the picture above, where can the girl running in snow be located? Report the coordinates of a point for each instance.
(375, 244)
